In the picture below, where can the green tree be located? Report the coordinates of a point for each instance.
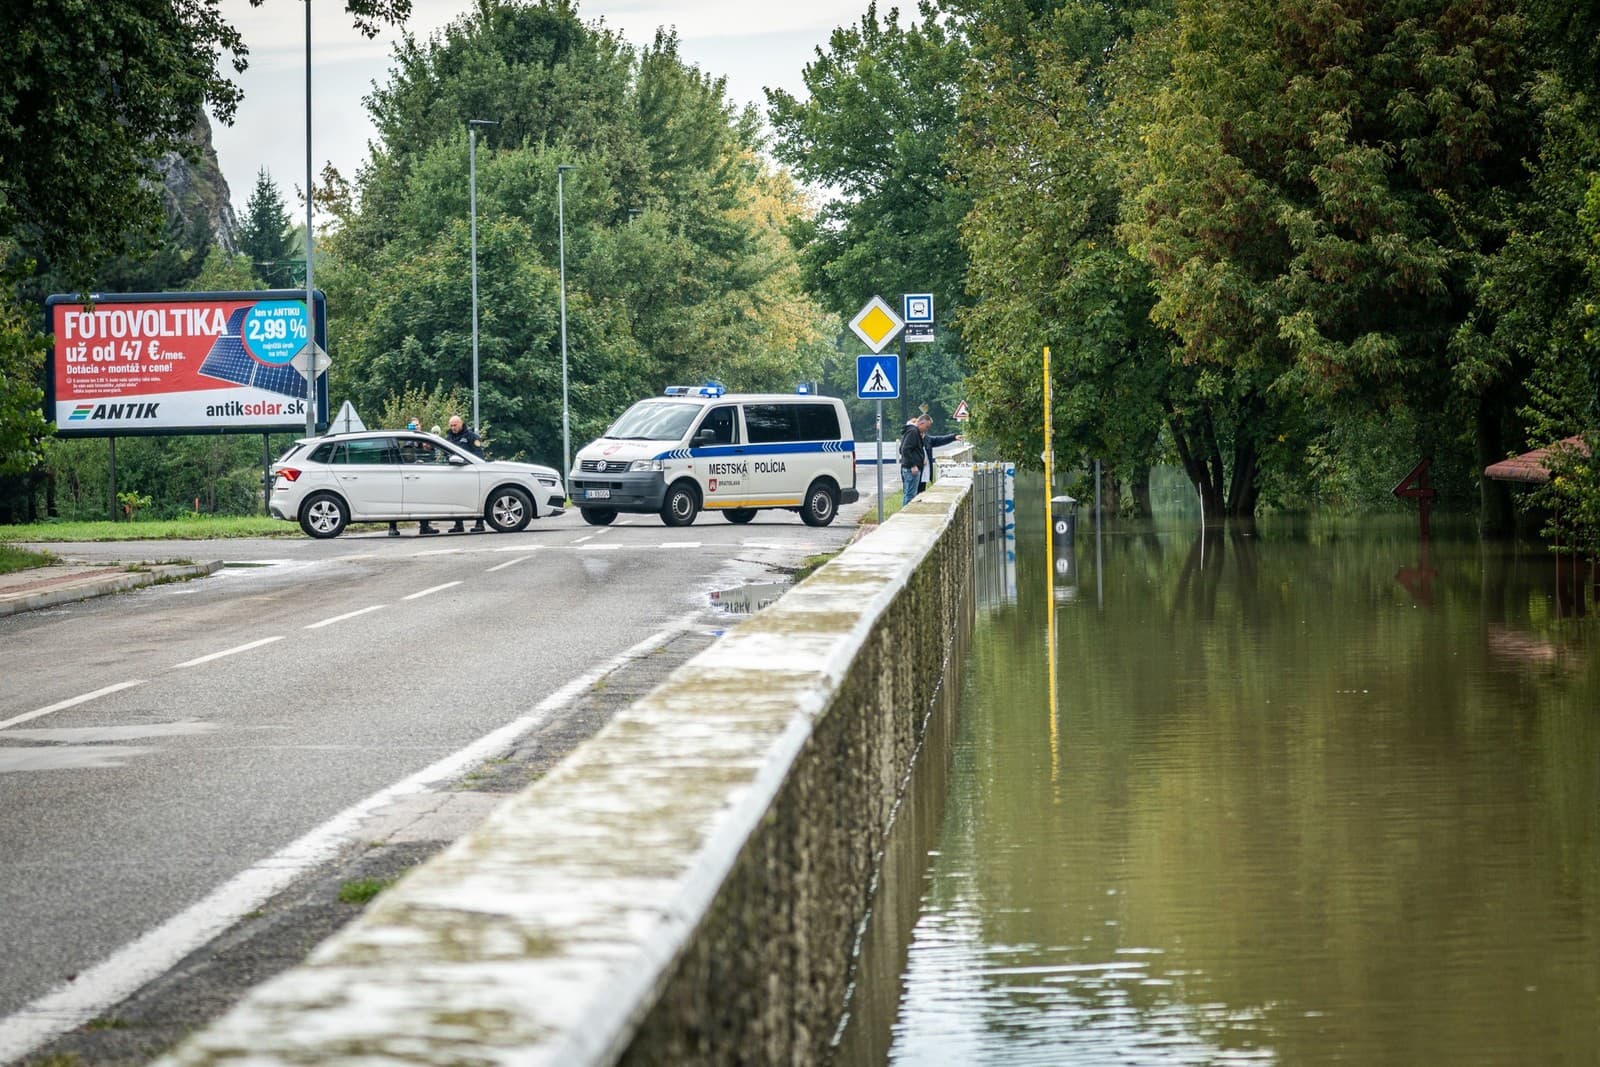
(1042, 149)
(875, 129)
(266, 235)
(1321, 197)
(676, 260)
(22, 424)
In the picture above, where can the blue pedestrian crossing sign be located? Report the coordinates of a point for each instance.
(878, 377)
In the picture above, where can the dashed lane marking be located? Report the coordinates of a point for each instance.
(227, 652)
(346, 615)
(508, 563)
(430, 592)
(70, 702)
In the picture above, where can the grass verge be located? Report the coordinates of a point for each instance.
(891, 504)
(362, 890)
(13, 559)
(204, 527)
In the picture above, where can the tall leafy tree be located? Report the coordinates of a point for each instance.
(92, 94)
(1041, 150)
(677, 265)
(266, 234)
(875, 130)
(1324, 190)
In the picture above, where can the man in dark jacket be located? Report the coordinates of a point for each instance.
(931, 441)
(912, 459)
(463, 436)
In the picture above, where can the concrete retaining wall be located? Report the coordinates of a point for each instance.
(686, 887)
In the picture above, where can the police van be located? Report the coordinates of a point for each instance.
(700, 447)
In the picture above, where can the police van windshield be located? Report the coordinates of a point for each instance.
(655, 420)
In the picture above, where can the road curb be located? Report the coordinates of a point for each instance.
(119, 580)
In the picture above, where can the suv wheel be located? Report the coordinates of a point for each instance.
(324, 515)
(509, 509)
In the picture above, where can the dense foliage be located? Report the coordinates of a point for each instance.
(874, 130)
(1290, 245)
(677, 265)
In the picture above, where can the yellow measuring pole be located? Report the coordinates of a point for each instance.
(1050, 568)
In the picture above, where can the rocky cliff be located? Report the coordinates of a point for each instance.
(194, 189)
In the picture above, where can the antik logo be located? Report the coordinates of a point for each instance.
(113, 411)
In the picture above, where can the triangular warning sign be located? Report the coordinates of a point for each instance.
(877, 382)
(962, 414)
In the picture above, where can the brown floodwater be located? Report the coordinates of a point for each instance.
(1304, 796)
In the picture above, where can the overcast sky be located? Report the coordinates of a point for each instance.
(754, 45)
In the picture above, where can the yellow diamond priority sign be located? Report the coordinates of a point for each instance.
(876, 324)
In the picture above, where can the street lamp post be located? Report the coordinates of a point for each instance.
(561, 230)
(311, 308)
(472, 182)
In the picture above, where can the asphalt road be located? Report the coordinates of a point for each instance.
(155, 745)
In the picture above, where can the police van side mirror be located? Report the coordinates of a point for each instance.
(706, 436)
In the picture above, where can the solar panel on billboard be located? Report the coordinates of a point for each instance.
(228, 362)
(283, 379)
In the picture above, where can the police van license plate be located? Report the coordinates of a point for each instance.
(597, 494)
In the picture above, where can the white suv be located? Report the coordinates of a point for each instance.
(326, 483)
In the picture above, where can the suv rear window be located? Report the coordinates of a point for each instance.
(372, 450)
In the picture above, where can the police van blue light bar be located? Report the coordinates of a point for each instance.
(709, 389)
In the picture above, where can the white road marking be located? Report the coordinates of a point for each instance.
(598, 548)
(428, 592)
(680, 544)
(508, 563)
(72, 702)
(90, 993)
(228, 652)
(520, 548)
(436, 552)
(589, 537)
(346, 615)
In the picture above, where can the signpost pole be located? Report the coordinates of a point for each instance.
(905, 383)
(880, 463)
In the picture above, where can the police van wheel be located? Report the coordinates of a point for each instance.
(821, 504)
(680, 506)
(509, 509)
(739, 515)
(598, 516)
(324, 515)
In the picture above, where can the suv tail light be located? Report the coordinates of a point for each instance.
(288, 474)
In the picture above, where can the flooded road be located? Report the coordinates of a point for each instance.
(1307, 796)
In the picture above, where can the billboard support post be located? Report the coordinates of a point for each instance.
(111, 442)
(266, 475)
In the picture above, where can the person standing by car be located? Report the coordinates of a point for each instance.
(394, 528)
(931, 441)
(463, 436)
(912, 460)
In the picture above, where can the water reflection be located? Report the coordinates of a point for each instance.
(1301, 809)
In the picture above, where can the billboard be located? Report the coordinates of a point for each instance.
(163, 363)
